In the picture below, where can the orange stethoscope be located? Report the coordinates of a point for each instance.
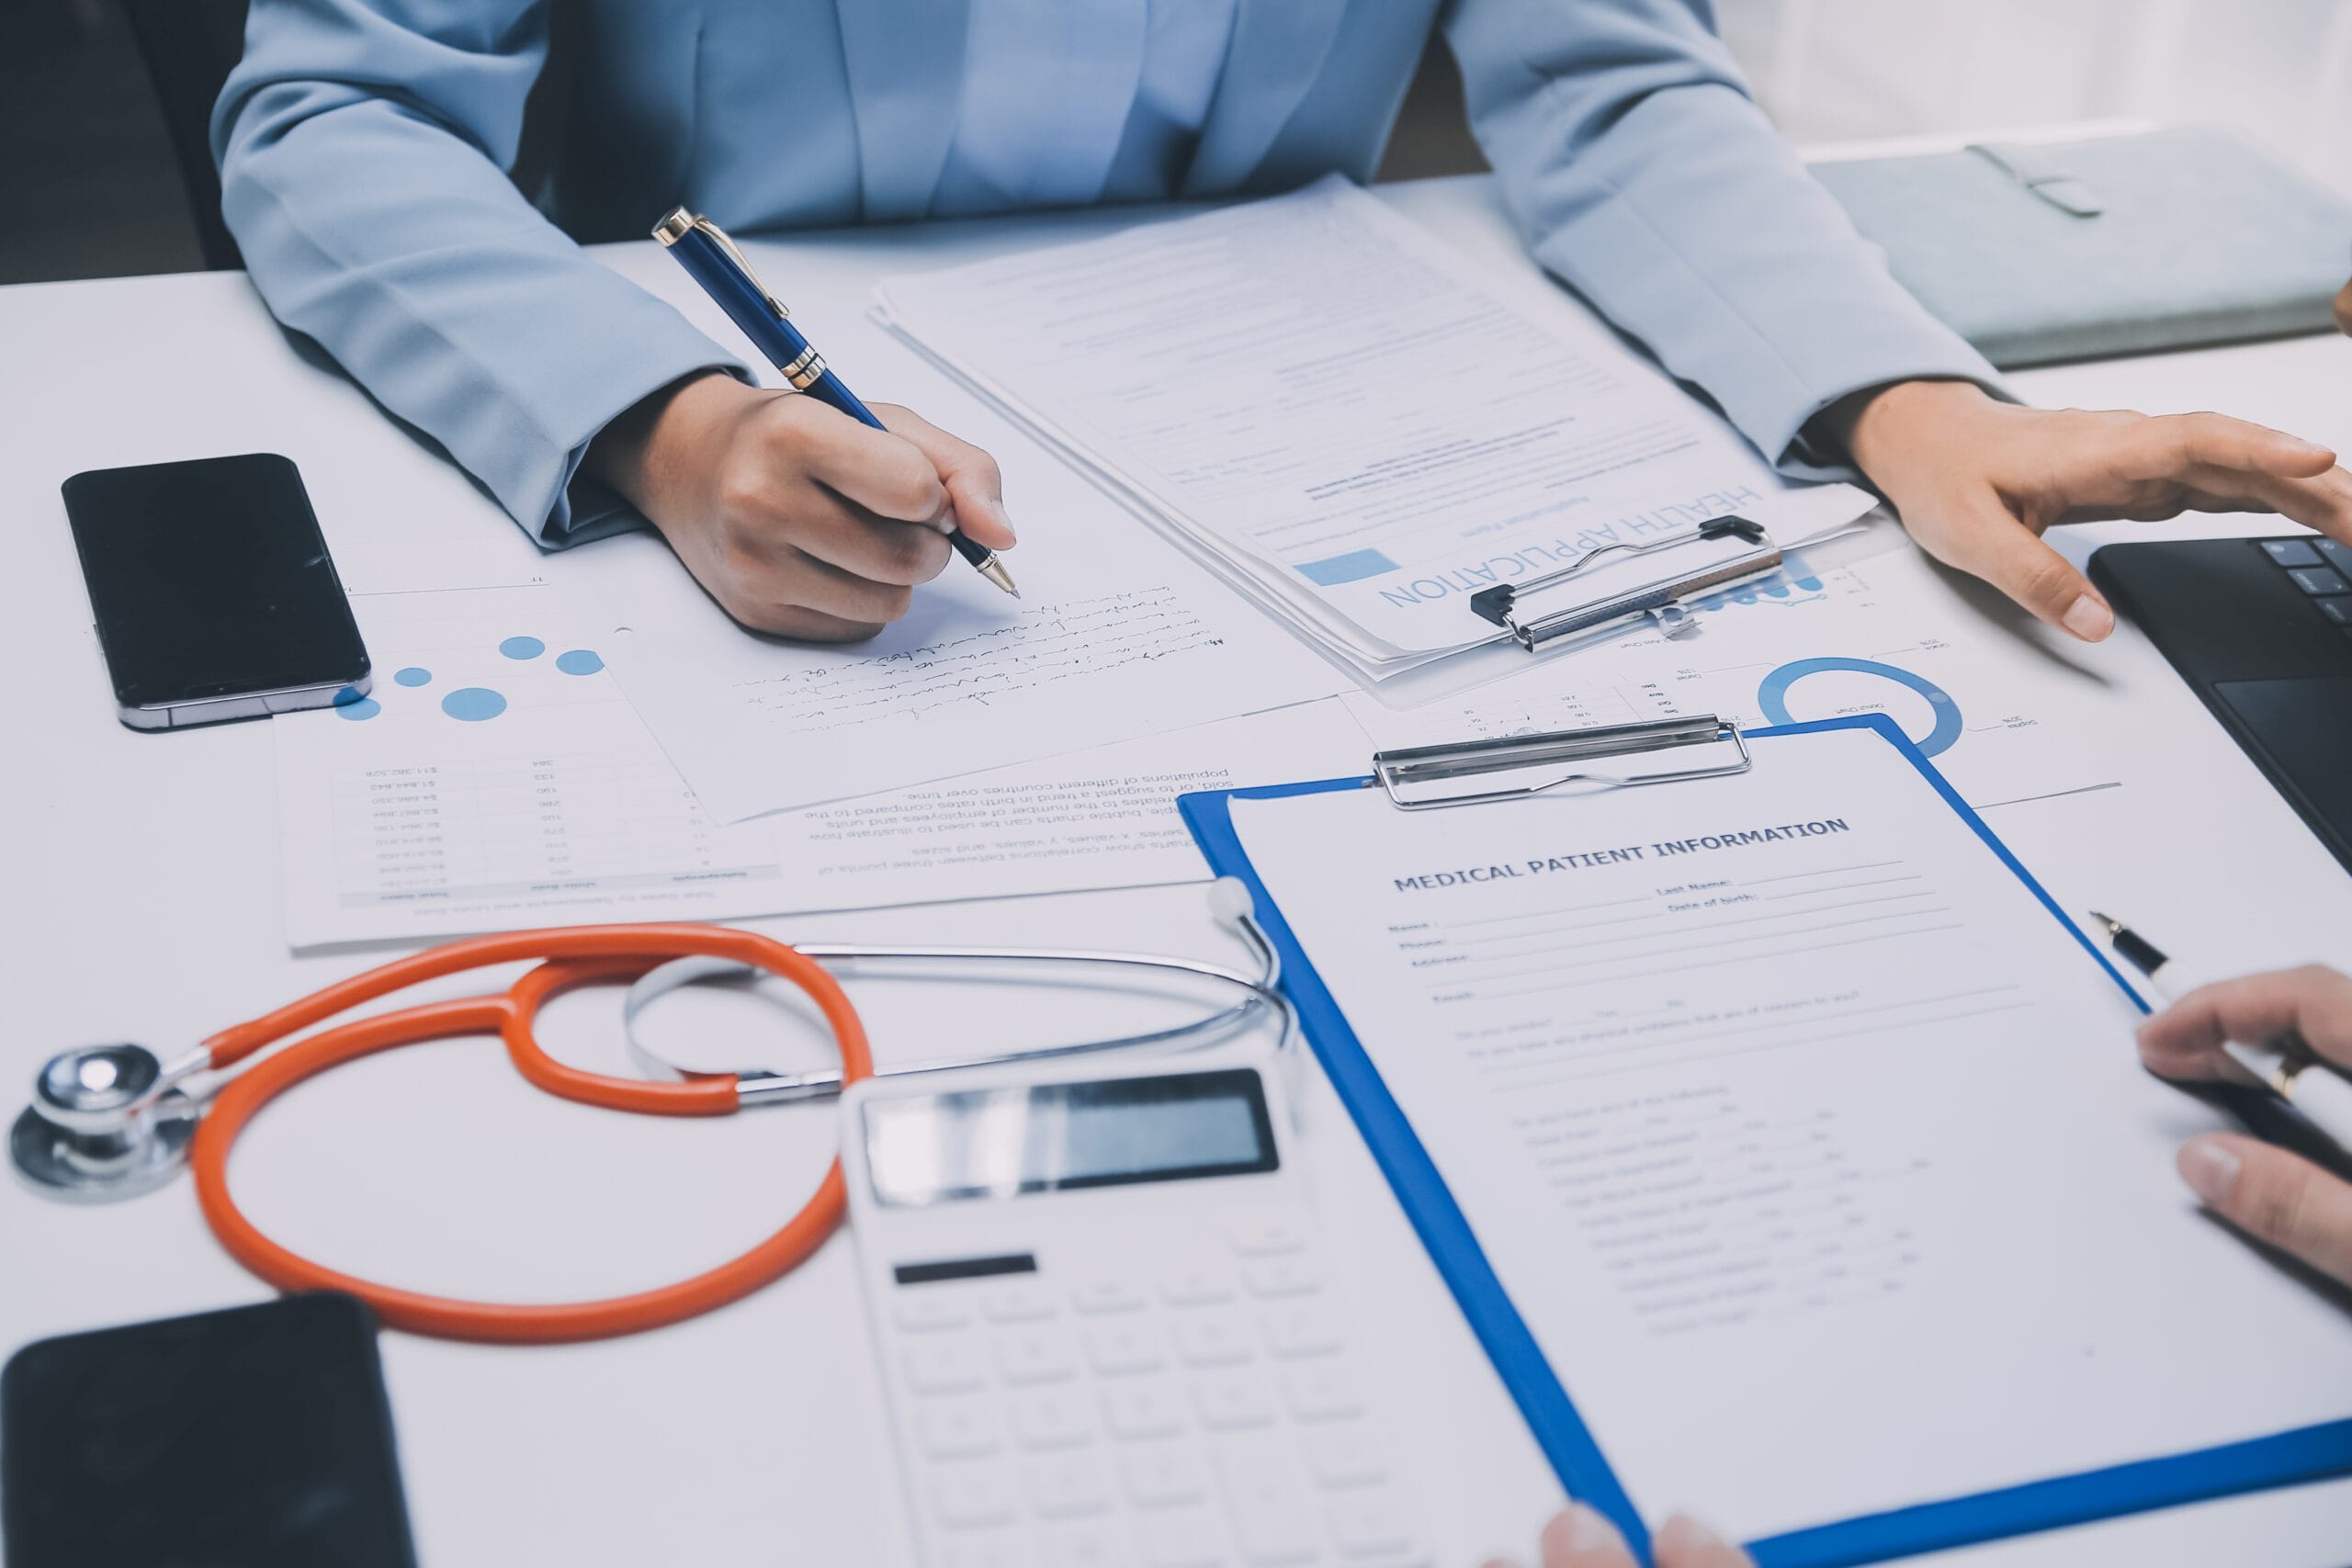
(112, 1121)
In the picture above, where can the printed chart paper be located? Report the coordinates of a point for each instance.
(497, 777)
(1116, 635)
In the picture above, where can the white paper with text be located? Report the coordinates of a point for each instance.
(1795, 1125)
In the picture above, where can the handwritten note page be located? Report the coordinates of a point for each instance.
(1116, 635)
(1043, 643)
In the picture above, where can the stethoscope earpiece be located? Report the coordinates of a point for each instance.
(105, 1122)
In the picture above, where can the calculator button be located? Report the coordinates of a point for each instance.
(1053, 1419)
(1069, 1487)
(1196, 1287)
(1268, 1499)
(1146, 1408)
(1108, 1296)
(1279, 1276)
(1121, 1349)
(2337, 609)
(950, 1367)
(1162, 1475)
(2335, 552)
(1301, 1330)
(1184, 1537)
(1034, 1356)
(1269, 1239)
(922, 1312)
(1233, 1402)
(1344, 1456)
(2317, 581)
(2291, 552)
(959, 1429)
(1024, 1303)
(967, 1494)
(1000, 1547)
(1320, 1392)
(1213, 1340)
(1093, 1545)
(1368, 1525)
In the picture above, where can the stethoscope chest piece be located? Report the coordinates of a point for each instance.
(103, 1125)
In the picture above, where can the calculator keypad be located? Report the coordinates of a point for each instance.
(1208, 1417)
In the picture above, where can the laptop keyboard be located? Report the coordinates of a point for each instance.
(2323, 570)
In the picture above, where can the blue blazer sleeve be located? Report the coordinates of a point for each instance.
(1642, 174)
(363, 148)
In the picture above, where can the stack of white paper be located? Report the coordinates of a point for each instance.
(1343, 417)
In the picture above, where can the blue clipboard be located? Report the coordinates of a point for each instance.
(2307, 1453)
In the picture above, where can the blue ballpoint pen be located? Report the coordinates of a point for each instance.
(711, 259)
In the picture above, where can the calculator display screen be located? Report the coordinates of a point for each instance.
(998, 1143)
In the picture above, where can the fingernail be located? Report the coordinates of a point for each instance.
(1003, 518)
(1590, 1529)
(1684, 1534)
(2089, 619)
(2209, 1169)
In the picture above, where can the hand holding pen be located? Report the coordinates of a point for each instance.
(799, 521)
(2292, 1029)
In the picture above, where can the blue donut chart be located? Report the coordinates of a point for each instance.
(1772, 697)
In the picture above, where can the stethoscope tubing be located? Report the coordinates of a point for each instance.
(238, 1071)
(759, 1088)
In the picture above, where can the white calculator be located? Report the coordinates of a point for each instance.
(1105, 1319)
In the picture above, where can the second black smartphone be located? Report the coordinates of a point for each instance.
(243, 1439)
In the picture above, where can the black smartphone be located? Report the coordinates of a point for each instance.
(257, 1435)
(215, 596)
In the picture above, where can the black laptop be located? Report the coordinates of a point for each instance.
(2262, 630)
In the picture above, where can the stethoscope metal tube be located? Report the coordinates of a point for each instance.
(755, 1087)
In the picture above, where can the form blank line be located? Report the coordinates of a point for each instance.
(1712, 946)
(1697, 926)
(1542, 914)
(1778, 1045)
(1554, 930)
(1800, 1021)
(1837, 888)
(1826, 871)
(1745, 958)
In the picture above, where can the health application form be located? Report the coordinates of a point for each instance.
(1808, 1143)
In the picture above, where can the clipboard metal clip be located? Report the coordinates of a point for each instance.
(1719, 553)
(1407, 773)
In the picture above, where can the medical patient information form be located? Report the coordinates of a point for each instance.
(1792, 1119)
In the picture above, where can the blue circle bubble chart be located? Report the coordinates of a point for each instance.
(1772, 697)
(354, 706)
(413, 676)
(579, 662)
(522, 648)
(473, 704)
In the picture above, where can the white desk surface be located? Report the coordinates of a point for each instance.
(142, 900)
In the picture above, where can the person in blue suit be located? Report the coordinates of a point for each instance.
(371, 169)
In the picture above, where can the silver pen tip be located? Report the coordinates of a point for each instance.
(993, 569)
(2114, 927)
